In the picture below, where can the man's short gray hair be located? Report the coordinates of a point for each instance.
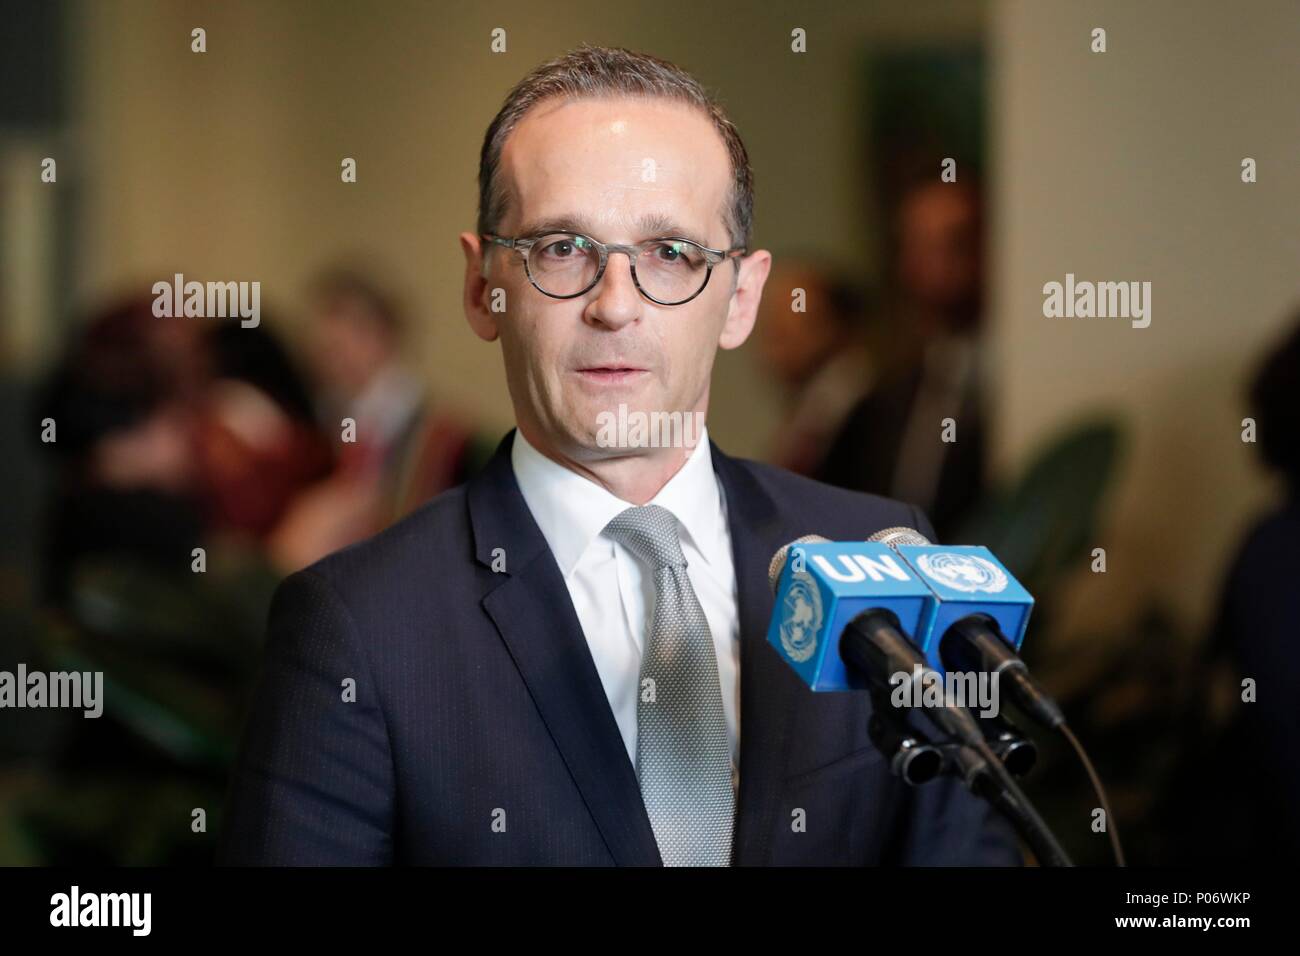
(590, 72)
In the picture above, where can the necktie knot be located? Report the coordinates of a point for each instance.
(651, 533)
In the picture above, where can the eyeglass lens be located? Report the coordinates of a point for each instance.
(669, 270)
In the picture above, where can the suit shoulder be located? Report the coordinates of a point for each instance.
(829, 505)
(424, 541)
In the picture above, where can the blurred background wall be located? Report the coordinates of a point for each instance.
(1126, 165)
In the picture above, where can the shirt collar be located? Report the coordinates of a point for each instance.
(572, 510)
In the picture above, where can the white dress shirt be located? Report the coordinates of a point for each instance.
(613, 592)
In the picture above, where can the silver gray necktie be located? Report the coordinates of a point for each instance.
(683, 759)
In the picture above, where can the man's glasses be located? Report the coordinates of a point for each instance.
(565, 265)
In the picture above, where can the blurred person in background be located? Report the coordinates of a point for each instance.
(891, 443)
(126, 482)
(1258, 759)
(260, 445)
(402, 449)
(169, 432)
(817, 353)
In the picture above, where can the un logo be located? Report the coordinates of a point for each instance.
(801, 617)
(963, 572)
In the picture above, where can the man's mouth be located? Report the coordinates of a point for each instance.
(611, 374)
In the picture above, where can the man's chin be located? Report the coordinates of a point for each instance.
(628, 428)
(590, 413)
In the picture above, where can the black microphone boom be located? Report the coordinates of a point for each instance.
(976, 644)
(875, 646)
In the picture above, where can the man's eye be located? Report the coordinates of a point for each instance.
(560, 249)
(677, 253)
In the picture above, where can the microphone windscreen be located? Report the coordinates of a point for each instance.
(899, 536)
(777, 564)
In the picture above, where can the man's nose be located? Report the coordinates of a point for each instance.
(617, 301)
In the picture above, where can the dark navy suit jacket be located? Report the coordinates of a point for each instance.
(480, 732)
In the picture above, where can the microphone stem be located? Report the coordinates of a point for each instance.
(989, 779)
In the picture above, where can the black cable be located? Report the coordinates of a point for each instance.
(1112, 828)
(1005, 794)
(1014, 811)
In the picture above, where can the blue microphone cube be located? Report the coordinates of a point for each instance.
(822, 587)
(967, 579)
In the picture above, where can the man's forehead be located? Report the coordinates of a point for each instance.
(646, 168)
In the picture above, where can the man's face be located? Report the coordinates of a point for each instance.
(610, 167)
(793, 345)
(348, 346)
(939, 251)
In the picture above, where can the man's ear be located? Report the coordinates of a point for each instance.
(478, 290)
(742, 310)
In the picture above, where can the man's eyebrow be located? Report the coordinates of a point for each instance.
(649, 226)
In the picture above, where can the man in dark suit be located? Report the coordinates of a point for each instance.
(564, 661)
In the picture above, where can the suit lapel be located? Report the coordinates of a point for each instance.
(768, 689)
(531, 609)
